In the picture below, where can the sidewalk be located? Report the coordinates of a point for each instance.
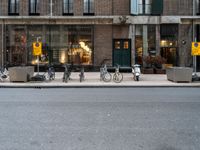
(92, 79)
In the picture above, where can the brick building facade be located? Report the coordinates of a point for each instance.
(91, 31)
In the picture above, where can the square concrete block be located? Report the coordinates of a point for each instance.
(179, 74)
(21, 74)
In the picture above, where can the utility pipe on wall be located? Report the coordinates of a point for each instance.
(193, 36)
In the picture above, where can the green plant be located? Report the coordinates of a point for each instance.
(159, 61)
(154, 61)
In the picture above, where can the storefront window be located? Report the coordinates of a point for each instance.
(145, 38)
(60, 44)
(151, 40)
(169, 43)
(139, 44)
(16, 48)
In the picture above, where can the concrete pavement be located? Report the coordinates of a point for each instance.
(92, 79)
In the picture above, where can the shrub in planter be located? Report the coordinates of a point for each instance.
(159, 61)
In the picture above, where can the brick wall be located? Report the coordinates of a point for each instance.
(44, 8)
(102, 43)
(177, 7)
(4, 7)
(78, 8)
(120, 31)
(103, 7)
(121, 7)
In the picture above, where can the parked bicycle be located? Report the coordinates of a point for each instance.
(81, 75)
(104, 74)
(3, 73)
(50, 74)
(67, 73)
(117, 77)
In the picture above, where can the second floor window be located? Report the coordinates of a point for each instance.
(198, 7)
(144, 7)
(34, 7)
(67, 7)
(88, 7)
(13, 7)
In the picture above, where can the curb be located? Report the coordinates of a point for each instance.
(99, 86)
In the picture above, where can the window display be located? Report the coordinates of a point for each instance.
(60, 44)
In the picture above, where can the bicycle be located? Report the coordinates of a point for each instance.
(117, 77)
(50, 74)
(66, 74)
(81, 75)
(104, 74)
(3, 73)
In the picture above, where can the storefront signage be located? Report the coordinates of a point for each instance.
(37, 48)
(195, 48)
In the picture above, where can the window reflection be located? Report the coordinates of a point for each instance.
(117, 44)
(60, 44)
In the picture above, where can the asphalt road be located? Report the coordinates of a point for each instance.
(100, 119)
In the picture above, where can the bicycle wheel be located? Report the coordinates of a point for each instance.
(137, 78)
(117, 77)
(107, 77)
(53, 76)
(65, 78)
(81, 78)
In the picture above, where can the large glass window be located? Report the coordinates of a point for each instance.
(67, 7)
(88, 7)
(60, 44)
(140, 42)
(13, 7)
(34, 7)
(151, 39)
(169, 43)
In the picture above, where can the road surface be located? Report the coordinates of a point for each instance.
(100, 119)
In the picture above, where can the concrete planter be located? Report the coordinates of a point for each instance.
(21, 74)
(179, 74)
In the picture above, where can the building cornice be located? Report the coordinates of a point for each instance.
(56, 19)
(116, 20)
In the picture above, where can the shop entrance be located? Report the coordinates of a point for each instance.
(122, 52)
(170, 54)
